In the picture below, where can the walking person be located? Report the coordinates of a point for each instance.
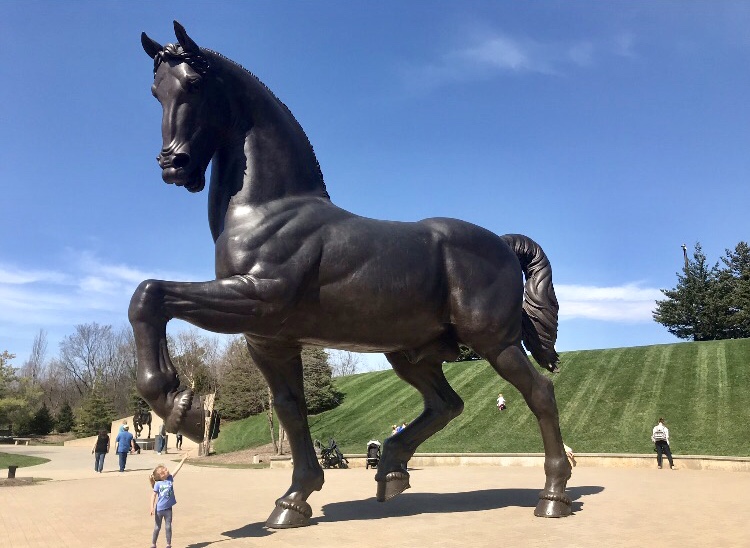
(179, 441)
(100, 450)
(162, 500)
(660, 437)
(125, 444)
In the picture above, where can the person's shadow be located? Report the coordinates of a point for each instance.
(411, 504)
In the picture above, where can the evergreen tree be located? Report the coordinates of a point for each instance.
(709, 303)
(64, 421)
(692, 310)
(243, 390)
(320, 393)
(42, 421)
(18, 396)
(94, 414)
(736, 289)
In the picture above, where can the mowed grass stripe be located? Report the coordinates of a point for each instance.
(608, 401)
(701, 394)
(642, 377)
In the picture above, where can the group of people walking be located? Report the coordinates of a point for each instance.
(162, 481)
(125, 444)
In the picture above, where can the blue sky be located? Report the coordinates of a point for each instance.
(610, 132)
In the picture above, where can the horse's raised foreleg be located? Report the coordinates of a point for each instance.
(223, 306)
(282, 369)
(441, 405)
(514, 366)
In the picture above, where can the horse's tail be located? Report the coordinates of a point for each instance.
(539, 321)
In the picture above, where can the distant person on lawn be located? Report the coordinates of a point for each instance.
(125, 443)
(501, 402)
(660, 437)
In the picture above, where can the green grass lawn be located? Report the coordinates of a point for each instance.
(12, 459)
(609, 400)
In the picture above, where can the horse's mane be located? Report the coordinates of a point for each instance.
(200, 64)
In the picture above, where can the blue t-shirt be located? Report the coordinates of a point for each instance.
(123, 441)
(165, 494)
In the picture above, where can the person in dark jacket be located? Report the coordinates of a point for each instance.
(100, 450)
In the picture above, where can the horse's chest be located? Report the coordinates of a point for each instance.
(258, 247)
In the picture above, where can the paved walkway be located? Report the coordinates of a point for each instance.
(474, 506)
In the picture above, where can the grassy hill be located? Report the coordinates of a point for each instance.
(609, 400)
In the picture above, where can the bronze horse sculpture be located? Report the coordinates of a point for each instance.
(142, 418)
(293, 269)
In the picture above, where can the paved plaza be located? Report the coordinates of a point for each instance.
(473, 506)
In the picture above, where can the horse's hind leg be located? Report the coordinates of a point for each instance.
(441, 405)
(514, 366)
(282, 369)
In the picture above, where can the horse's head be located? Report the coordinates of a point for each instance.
(194, 109)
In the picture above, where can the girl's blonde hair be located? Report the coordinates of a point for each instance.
(157, 474)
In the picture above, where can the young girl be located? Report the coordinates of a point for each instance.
(162, 500)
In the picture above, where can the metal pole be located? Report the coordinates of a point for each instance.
(684, 253)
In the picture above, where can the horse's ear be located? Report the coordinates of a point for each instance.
(150, 46)
(185, 41)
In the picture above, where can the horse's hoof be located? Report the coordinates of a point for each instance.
(288, 514)
(395, 483)
(186, 419)
(552, 505)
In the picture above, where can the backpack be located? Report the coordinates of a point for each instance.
(660, 435)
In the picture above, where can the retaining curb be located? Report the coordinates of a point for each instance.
(593, 460)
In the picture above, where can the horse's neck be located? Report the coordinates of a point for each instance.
(259, 168)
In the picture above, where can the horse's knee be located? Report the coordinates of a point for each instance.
(144, 300)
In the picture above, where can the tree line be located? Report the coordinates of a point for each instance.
(91, 380)
(710, 302)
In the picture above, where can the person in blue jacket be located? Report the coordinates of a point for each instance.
(125, 444)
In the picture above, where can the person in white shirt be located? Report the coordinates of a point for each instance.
(660, 437)
(500, 402)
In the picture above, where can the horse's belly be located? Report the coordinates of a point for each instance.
(365, 325)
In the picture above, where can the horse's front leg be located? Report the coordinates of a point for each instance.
(282, 368)
(224, 306)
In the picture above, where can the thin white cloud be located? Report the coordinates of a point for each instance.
(624, 45)
(487, 55)
(626, 303)
(85, 289)
(10, 275)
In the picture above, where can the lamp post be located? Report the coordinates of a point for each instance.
(684, 253)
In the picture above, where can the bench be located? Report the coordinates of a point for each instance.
(21, 441)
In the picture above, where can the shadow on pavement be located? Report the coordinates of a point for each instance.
(251, 530)
(443, 503)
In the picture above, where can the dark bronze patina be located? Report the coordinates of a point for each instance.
(293, 269)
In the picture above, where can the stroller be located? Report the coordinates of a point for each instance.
(373, 454)
(331, 457)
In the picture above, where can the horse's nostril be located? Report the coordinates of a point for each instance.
(181, 160)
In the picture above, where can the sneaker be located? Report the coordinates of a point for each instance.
(660, 467)
(673, 468)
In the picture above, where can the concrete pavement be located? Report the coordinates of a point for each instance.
(447, 506)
